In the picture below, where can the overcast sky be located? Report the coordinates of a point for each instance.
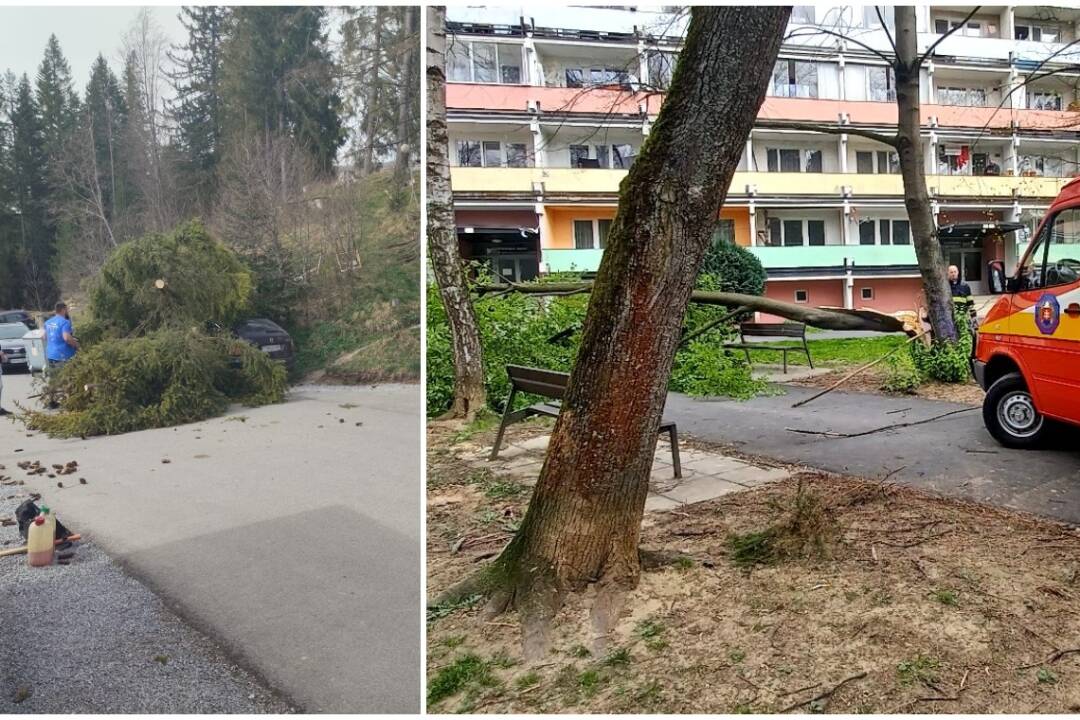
(83, 33)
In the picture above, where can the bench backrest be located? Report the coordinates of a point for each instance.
(786, 329)
(547, 383)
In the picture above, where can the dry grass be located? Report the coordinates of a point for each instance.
(946, 606)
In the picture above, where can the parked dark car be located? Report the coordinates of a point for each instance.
(269, 337)
(18, 316)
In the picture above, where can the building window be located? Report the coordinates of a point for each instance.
(1044, 100)
(975, 27)
(882, 162)
(468, 152)
(802, 15)
(591, 234)
(517, 155)
(583, 234)
(962, 96)
(618, 157)
(795, 78)
(796, 233)
(661, 68)
(1042, 166)
(884, 231)
(790, 160)
(866, 293)
(881, 86)
(802, 296)
(598, 76)
(724, 231)
(1047, 33)
(603, 229)
(490, 153)
(483, 62)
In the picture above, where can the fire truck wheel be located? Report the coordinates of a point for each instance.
(1010, 414)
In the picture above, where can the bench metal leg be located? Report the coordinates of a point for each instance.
(676, 463)
(808, 358)
(785, 361)
(508, 412)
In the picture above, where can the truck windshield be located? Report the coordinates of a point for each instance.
(1055, 255)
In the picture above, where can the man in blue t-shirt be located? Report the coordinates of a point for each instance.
(60, 342)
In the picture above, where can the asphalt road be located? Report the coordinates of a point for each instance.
(953, 456)
(290, 534)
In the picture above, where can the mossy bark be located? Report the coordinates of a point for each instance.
(583, 523)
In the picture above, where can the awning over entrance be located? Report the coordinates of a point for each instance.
(976, 230)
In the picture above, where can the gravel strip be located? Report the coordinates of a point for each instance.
(87, 638)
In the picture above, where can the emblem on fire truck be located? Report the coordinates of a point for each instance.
(1047, 313)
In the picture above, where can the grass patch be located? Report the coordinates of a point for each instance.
(437, 612)
(468, 670)
(921, 669)
(837, 351)
(945, 596)
(618, 658)
(527, 681)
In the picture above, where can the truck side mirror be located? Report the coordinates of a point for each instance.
(996, 273)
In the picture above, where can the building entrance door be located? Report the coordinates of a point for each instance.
(970, 262)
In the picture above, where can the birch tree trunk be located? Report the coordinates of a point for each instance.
(371, 102)
(406, 109)
(443, 252)
(909, 147)
(583, 523)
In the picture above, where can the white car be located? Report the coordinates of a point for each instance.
(12, 344)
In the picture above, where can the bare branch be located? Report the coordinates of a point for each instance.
(946, 34)
(890, 140)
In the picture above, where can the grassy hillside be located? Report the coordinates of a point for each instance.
(366, 327)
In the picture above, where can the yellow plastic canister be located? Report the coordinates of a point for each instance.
(40, 539)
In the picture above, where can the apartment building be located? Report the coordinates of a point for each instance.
(547, 108)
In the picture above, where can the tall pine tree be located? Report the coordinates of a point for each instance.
(105, 116)
(197, 110)
(30, 188)
(56, 99)
(279, 79)
(10, 258)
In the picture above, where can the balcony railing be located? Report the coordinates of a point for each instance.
(810, 258)
(606, 182)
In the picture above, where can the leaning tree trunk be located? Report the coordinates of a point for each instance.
(443, 252)
(584, 519)
(913, 170)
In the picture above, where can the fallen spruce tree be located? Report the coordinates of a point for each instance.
(155, 351)
(165, 378)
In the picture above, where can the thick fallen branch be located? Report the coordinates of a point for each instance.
(827, 318)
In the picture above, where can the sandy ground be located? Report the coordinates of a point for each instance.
(918, 604)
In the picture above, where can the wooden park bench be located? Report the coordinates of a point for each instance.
(784, 330)
(551, 385)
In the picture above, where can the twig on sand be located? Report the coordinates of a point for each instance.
(1053, 658)
(802, 689)
(826, 694)
(895, 426)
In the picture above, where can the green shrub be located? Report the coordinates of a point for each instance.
(704, 368)
(736, 269)
(203, 282)
(165, 378)
(945, 361)
(901, 376)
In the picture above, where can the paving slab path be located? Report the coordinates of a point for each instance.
(954, 455)
(290, 534)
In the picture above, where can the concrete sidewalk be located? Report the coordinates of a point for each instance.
(290, 534)
(953, 455)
